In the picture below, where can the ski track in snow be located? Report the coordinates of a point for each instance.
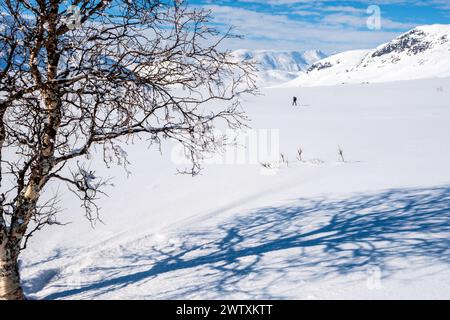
(376, 227)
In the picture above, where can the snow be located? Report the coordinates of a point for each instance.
(276, 67)
(290, 61)
(374, 227)
(418, 54)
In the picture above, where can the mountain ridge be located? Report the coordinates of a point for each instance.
(423, 52)
(275, 66)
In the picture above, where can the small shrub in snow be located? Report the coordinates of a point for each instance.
(341, 154)
(284, 159)
(300, 154)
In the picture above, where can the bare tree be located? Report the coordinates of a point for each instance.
(93, 73)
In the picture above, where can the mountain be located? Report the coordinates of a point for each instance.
(423, 52)
(279, 66)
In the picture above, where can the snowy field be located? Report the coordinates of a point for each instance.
(374, 227)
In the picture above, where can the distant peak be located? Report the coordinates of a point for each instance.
(415, 41)
(433, 28)
(275, 66)
(281, 60)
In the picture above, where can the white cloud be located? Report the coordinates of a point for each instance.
(341, 28)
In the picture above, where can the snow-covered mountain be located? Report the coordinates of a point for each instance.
(279, 66)
(423, 52)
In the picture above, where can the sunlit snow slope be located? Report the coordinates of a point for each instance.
(423, 52)
(376, 226)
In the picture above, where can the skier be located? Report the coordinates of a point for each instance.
(294, 102)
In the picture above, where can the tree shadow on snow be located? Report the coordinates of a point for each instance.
(351, 235)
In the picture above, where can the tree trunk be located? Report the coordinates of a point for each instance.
(10, 288)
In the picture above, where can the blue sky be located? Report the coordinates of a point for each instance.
(331, 26)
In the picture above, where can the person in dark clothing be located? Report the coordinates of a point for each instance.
(294, 101)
